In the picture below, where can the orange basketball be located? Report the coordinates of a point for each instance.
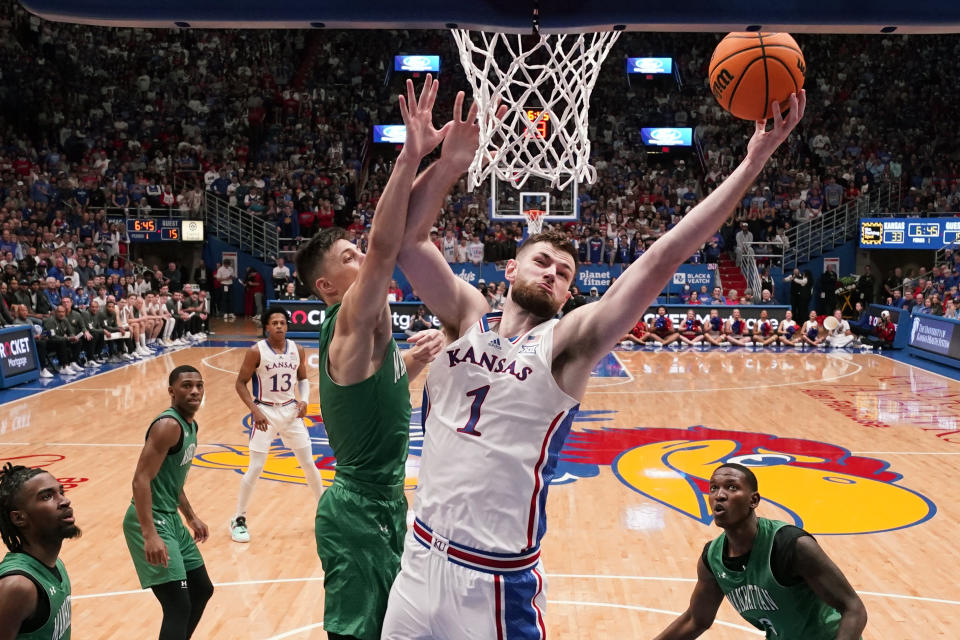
(750, 70)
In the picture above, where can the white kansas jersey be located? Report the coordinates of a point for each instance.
(449, 248)
(276, 375)
(494, 421)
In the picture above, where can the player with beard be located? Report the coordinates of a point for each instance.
(500, 401)
(774, 574)
(35, 519)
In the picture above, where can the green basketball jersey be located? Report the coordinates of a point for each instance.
(368, 423)
(57, 589)
(171, 477)
(785, 613)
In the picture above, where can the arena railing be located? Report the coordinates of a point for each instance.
(240, 228)
(838, 226)
(747, 261)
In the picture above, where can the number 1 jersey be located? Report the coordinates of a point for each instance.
(495, 421)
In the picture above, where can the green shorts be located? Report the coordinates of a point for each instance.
(360, 529)
(182, 551)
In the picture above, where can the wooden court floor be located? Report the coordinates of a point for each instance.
(861, 450)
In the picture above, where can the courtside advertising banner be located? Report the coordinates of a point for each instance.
(749, 313)
(588, 276)
(936, 335)
(306, 316)
(19, 361)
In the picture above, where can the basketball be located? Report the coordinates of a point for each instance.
(748, 71)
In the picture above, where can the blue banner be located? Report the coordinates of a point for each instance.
(588, 276)
(909, 233)
(414, 63)
(391, 133)
(649, 66)
(935, 334)
(667, 136)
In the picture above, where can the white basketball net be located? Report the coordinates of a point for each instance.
(534, 220)
(554, 74)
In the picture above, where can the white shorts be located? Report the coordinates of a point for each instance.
(436, 597)
(839, 341)
(283, 422)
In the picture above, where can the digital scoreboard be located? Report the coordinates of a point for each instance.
(153, 230)
(909, 233)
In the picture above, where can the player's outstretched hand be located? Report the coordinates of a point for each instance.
(462, 139)
(155, 550)
(764, 142)
(427, 345)
(259, 420)
(422, 137)
(200, 530)
(301, 408)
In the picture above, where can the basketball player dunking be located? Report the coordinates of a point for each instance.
(281, 391)
(501, 399)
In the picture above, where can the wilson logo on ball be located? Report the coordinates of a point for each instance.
(749, 71)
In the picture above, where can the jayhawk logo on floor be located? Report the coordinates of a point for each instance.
(820, 486)
(817, 485)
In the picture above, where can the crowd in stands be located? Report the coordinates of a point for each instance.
(98, 124)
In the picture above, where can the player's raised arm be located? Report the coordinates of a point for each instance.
(699, 616)
(363, 305)
(451, 299)
(591, 330)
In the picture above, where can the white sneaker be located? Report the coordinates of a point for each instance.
(74, 367)
(127, 356)
(238, 529)
(45, 373)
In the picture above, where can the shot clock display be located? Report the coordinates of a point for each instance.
(542, 128)
(153, 230)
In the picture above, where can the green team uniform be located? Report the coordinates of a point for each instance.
(361, 519)
(785, 613)
(52, 583)
(165, 489)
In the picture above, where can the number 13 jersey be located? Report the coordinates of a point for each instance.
(276, 375)
(495, 421)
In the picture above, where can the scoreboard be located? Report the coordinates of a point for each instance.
(164, 230)
(909, 233)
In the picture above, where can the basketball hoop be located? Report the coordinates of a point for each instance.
(534, 220)
(545, 81)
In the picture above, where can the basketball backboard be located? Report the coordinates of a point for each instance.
(811, 16)
(508, 203)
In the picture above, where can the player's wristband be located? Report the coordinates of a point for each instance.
(303, 389)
